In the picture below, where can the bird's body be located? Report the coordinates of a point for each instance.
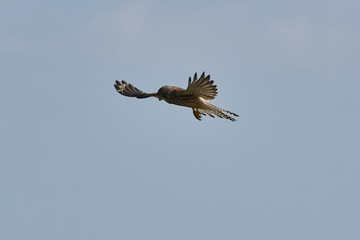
(196, 96)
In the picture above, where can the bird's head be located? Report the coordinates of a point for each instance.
(164, 93)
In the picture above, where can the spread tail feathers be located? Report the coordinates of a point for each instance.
(212, 110)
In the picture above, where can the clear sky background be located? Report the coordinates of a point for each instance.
(80, 161)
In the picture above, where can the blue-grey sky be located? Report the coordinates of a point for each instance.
(80, 161)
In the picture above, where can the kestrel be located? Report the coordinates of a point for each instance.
(197, 96)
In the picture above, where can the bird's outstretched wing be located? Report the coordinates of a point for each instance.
(202, 87)
(129, 90)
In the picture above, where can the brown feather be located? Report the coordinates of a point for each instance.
(202, 87)
(129, 90)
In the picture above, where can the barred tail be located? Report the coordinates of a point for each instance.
(212, 110)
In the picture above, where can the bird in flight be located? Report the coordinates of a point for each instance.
(197, 95)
